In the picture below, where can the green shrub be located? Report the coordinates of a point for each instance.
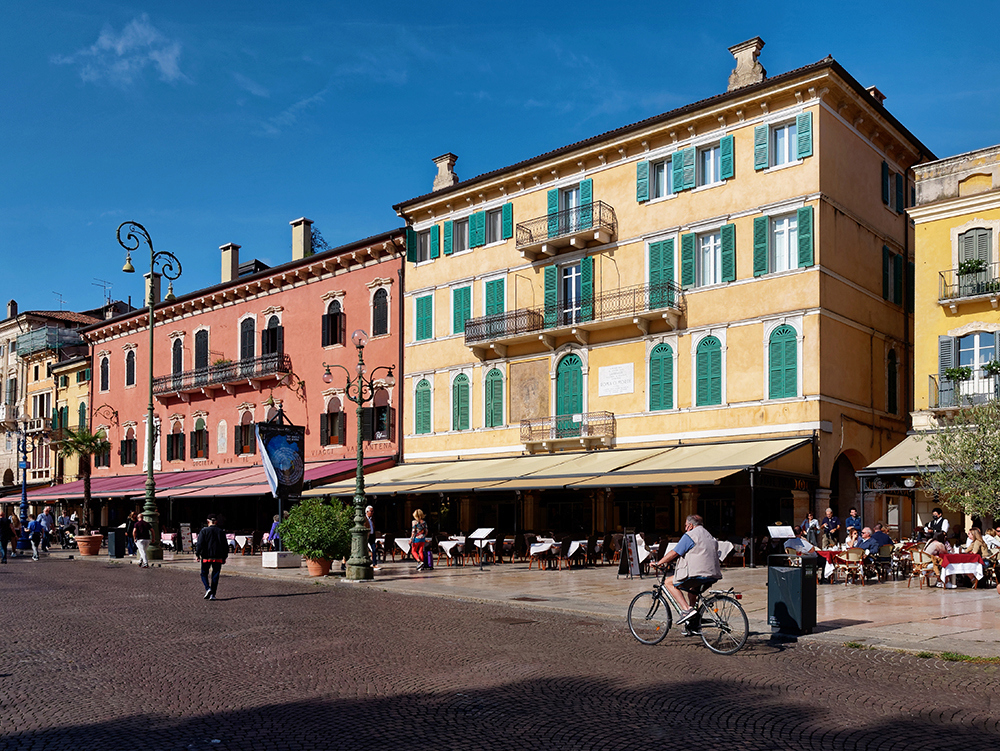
(318, 530)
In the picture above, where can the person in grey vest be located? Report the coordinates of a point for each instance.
(699, 565)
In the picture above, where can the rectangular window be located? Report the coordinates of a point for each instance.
(570, 294)
(175, 447)
(660, 182)
(333, 429)
(494, 226)
(129, 452)
(424, 318)
(461, 308)
(783, 144)
(709, 259)
(423, 246)
(709, 165)
(784, 245)
(246, 441)
(103, 460)
(892, 276)
(460, 237)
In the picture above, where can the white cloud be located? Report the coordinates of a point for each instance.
(250, 86)
(121, 58)
(290, 116)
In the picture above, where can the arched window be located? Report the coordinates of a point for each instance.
(380, 312)
(201, 349)
(569, 395)
(199, 440)
(661, 378)
(105, 374)
(130, 368)
(892, 390)
(246, 441)
(175, 443)
(422, 407)
(177, 363)
(247, 344)
(273, 337)
(782, 356)
(460, 402)
(708, 369)
(334, 324)
(333, 425)
(494, 399)
(129, 450)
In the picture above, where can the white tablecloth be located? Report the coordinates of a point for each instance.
(448, 546)
(976, 569)
(404, 544)
(725, 548)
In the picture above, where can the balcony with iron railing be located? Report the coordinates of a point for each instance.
(586, 429)
(637, 305)
(944, 393)
(38, 425)
(577, 227)
(962, 285)
(8, 413)
(223, 375)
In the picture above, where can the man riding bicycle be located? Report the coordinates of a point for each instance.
(698, 568)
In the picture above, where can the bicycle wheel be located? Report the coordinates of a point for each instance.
(649, 618)
(724, 625)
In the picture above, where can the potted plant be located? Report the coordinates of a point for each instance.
(961, 373)
(970, 275)
(84, 444)
(992, 367)
(319, 532)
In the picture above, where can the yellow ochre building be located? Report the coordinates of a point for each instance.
(707, 310)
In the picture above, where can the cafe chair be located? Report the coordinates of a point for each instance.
(541, 557)
(921, 566)
(850, 564)
(519, 549)
(608, 548)
(885, 562)
(794, 556)
(592, 555)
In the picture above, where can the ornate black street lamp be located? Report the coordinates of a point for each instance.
(169, 267)
(23, 441)
(360, 390)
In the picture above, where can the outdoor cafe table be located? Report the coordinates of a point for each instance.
(961, 563)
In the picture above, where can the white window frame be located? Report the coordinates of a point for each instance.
(493, 215)
(699, 265)
(715, 150)
(423, 246)
(564, 300)
(668, 192)
(791, 232)
(456, 226)
(790, 155)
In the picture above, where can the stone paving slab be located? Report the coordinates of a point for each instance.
(888, 615)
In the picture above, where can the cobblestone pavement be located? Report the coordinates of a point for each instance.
(110, 656)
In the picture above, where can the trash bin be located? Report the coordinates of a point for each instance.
(116, 543)
(791, 594)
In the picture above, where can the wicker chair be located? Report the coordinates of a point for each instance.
(921, 566)
(851, 563)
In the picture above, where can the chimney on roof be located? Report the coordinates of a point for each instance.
(230, 261)
(748, 71)
(446, 176)
(877, 95)
(302, 243)
(12, 309)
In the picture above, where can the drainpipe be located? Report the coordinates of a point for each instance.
(400, 381)
(907, 315)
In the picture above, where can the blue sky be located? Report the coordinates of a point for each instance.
(217, 122)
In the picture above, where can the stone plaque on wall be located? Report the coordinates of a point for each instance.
(529, 390)
(614, 380)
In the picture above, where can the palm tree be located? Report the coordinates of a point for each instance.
(84, 444)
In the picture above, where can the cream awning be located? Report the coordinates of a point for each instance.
(903, 459)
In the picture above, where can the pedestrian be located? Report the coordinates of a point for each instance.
(274, 536)
(130, 521)
(372, 542)
(48, 525)
(62, 523)
(35, 535)
(143, 536)
(418, 535)
(212, 550)
(15, 528)
(5, 534)
(829, 527)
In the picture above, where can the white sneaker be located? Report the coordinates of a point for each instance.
(687, 616)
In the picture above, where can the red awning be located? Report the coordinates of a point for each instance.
(122, 485)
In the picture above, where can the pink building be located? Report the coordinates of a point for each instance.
(229, 356)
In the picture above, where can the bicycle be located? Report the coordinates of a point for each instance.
(721, 621)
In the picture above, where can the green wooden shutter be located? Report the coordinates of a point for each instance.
(782, 363)
(900, 198)
(460, 402)
(761, 159)
(709, 372)
(656, 287)
(495, 297)
(586, 204)
(804, 135)
(425, 320)
(435, 241)
(687, 259)
(761, 227)
(553, 212)
(910, 281)
(677, 171)
(804, 222)
(449, 237)
(661, 378)
(727, 158)
(461, 308)
(494, 399)
(886, 262)
(422, 408)
(551, 296)
(947, 358)
(642, 181)
(479, 219)
(507, 223)
(689, 171)
(587, 288)
(81, 418)
(727, 236)
(667, 257)
(885, 183)
(897, 279)
(411, 245)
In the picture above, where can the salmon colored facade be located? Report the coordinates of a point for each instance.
(229, 356)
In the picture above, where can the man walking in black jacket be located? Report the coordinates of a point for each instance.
(212, 550)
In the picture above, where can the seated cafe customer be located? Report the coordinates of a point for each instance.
(937, 547)
(880, 536)
(800, 544)
(868, 543)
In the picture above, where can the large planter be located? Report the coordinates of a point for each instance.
(318, 566)
(89, 544)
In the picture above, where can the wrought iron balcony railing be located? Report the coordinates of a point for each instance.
(590, 217)
(222, 374)
(944, 393)
(588, 427)
(955, 285)
(623, 303)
